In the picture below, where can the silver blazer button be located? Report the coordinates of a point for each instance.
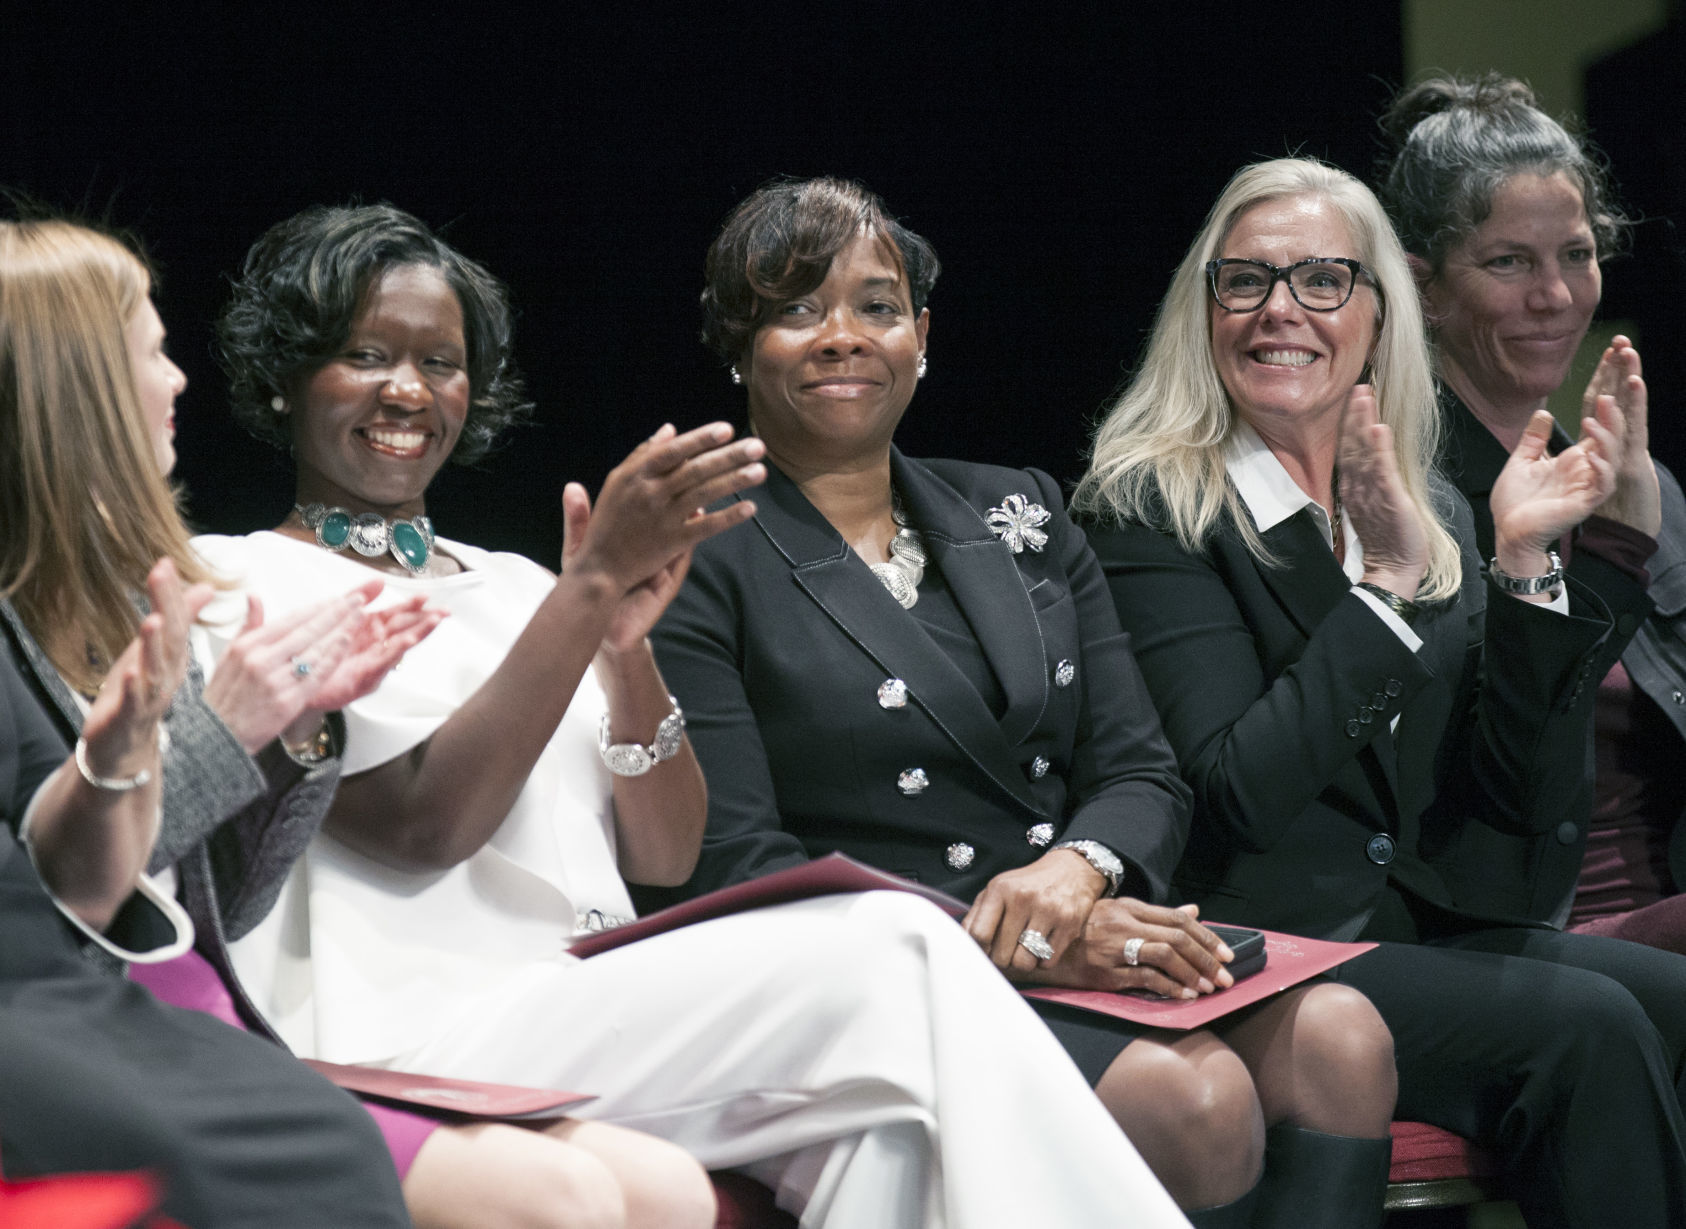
(912, 781)
(959, 856)
(892, 693)
(1064, 673)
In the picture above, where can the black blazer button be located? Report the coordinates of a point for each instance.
(1393, 687)
(1353, 728)
(1379, 849)
(1568, 833)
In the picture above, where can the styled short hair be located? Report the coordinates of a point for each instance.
(1158, 455)
(298, 295)
(778, 245)
(1454, 141)
(84, 509)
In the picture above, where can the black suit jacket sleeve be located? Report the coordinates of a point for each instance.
(1277, 687)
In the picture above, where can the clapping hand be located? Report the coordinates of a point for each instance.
(1538, 497)
(1617, 382)
(278, 679)
(120, 733)
(1375, 501)
(650, 514)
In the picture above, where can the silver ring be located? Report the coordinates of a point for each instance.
(301, 667)
(1036, 943)
(1133, 951)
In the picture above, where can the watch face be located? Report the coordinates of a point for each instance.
(627, 760)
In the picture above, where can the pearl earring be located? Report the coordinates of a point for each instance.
(278, 403)
(736, 378)
(920, 370)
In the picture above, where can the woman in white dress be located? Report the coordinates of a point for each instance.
(857, 1053)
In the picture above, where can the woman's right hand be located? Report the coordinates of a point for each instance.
(1618, 383)
(1373, 496)
(650, 512)
(345, 650)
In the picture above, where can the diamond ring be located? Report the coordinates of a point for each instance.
(301, 667)
(1036, 943)
(1133, 951)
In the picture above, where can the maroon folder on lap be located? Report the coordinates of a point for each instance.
(828, 876)
(436, 1092)
(1292, 960)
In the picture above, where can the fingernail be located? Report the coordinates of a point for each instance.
(1188, 992)
(1225, 978)
(1206, 987)
(1224, 953)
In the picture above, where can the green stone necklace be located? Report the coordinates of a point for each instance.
(408, 541)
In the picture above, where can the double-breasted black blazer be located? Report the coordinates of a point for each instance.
(781, 639)
(1277, 687)
(1535, 875)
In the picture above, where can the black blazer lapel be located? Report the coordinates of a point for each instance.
(49, 684)
(840, 583)
(988, 585)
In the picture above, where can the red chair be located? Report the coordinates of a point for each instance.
(1433, 1168)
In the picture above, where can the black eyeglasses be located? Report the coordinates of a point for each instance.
(1318, 283)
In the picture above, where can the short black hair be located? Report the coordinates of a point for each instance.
(778, 245)
(298, 295)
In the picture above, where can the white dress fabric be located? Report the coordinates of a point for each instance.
(856, 1053)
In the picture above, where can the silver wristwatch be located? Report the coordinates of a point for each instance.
(636, 759)
(1527, 586)
(1097, 855)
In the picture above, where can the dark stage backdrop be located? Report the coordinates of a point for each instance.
(1059, 157)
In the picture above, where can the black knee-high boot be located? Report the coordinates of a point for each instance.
(1317, 1181)
(1237, 1214)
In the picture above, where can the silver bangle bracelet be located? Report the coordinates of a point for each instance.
(636, 759)
(112, 785)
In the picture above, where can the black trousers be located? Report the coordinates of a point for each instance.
(1559, 1052)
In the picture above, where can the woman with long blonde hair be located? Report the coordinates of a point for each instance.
(1346, 687)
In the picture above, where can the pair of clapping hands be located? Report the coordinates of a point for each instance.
(1537, 498)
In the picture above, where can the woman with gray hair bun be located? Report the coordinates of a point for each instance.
(1507, 217)
(1347, 689)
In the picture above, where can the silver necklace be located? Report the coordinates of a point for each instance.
(906, 568)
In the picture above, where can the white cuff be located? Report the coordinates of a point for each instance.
(163, 901)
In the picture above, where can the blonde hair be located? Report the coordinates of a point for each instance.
(1158, 455)
(84, 510)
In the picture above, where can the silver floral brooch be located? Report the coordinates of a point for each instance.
(1018, 523)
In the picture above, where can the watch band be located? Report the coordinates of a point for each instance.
(1527, 586)
(636, 759)
(1097, 855)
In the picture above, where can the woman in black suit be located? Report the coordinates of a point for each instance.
(917, 663)
(1346, 691)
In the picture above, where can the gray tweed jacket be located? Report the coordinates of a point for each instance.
(232, 823)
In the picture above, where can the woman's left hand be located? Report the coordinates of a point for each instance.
(1052, 896)
(1539, 497)
(1618, 382)
(642, 605)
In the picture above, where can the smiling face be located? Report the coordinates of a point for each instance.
(373, 424)
(1287, 369)
(158, 381)
(1513, 302)
(831, 372)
